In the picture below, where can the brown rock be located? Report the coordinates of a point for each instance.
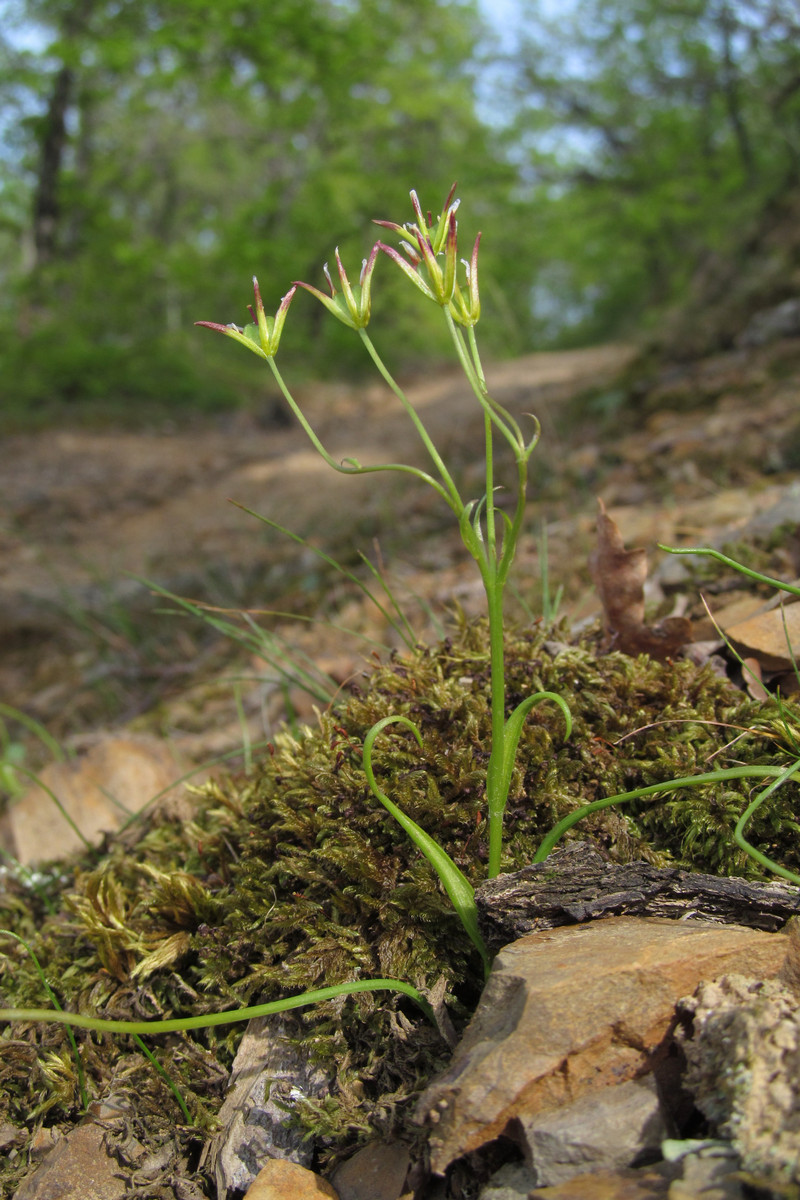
(765, 637)
(281, 1180)
(78, 1168)
(117, 776)
(376, 1172)
(575, 1009)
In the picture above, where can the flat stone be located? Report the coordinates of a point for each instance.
(772, 637)
(79, 1167)
(712, 1171)
(268, 1075)
(376, 1172)
(282, 1180)
(615, 1127)
(117, 776)
(570, 1011)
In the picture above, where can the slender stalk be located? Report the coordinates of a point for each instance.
(172, 1087)
(454, 499)
(753, 851)
(791, 588)
(229, 1017)
(495, 799)
(653, 789)
(352, 466)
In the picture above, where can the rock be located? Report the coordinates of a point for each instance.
(571, 1011)
(512, 1182)
(769, 324)
(268, 1075)
(616, 1127)
(10, 1134)
(772, 637)
(116, 777)
(743, 1070)
(281, 1180)
(79, 1167)
(708, 1169)
(376, 1172)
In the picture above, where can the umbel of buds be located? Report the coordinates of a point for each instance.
(354, 304)
(263, 336)
(424, 242)
(429, 258)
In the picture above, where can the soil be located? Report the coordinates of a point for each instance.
(677, 455)
(88, 515)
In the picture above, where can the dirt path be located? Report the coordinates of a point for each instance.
(82, 511)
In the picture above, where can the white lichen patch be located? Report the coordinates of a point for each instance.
(743, 1069)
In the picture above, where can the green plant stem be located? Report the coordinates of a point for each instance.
(351, 466)
(670, 785)
(35, 727)
(229, 1017)
(455, 883)
(753, 851)
(495, 798)
(731, 562)
(172, 1087)
(453, 498)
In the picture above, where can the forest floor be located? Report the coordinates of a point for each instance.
(88, 515)
(693, 454)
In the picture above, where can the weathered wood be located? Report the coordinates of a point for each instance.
(577, 884)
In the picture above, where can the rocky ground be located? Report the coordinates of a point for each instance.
(701, 453)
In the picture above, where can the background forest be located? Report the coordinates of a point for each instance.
(154, 154)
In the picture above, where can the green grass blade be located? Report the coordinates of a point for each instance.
(455, 883)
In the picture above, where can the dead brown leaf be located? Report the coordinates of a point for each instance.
(619, 577)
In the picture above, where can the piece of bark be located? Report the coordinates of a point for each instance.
(576, 884)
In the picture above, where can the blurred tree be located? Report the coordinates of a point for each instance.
(170, 148)
(649, 132)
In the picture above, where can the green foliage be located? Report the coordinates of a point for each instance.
(152, 155)
(650, 137)
(196, 143)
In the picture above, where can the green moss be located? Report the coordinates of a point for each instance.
(296, 877)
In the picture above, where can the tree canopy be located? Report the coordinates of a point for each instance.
(649, 133)
(154, 155)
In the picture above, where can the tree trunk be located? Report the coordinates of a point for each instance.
(46, 204)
